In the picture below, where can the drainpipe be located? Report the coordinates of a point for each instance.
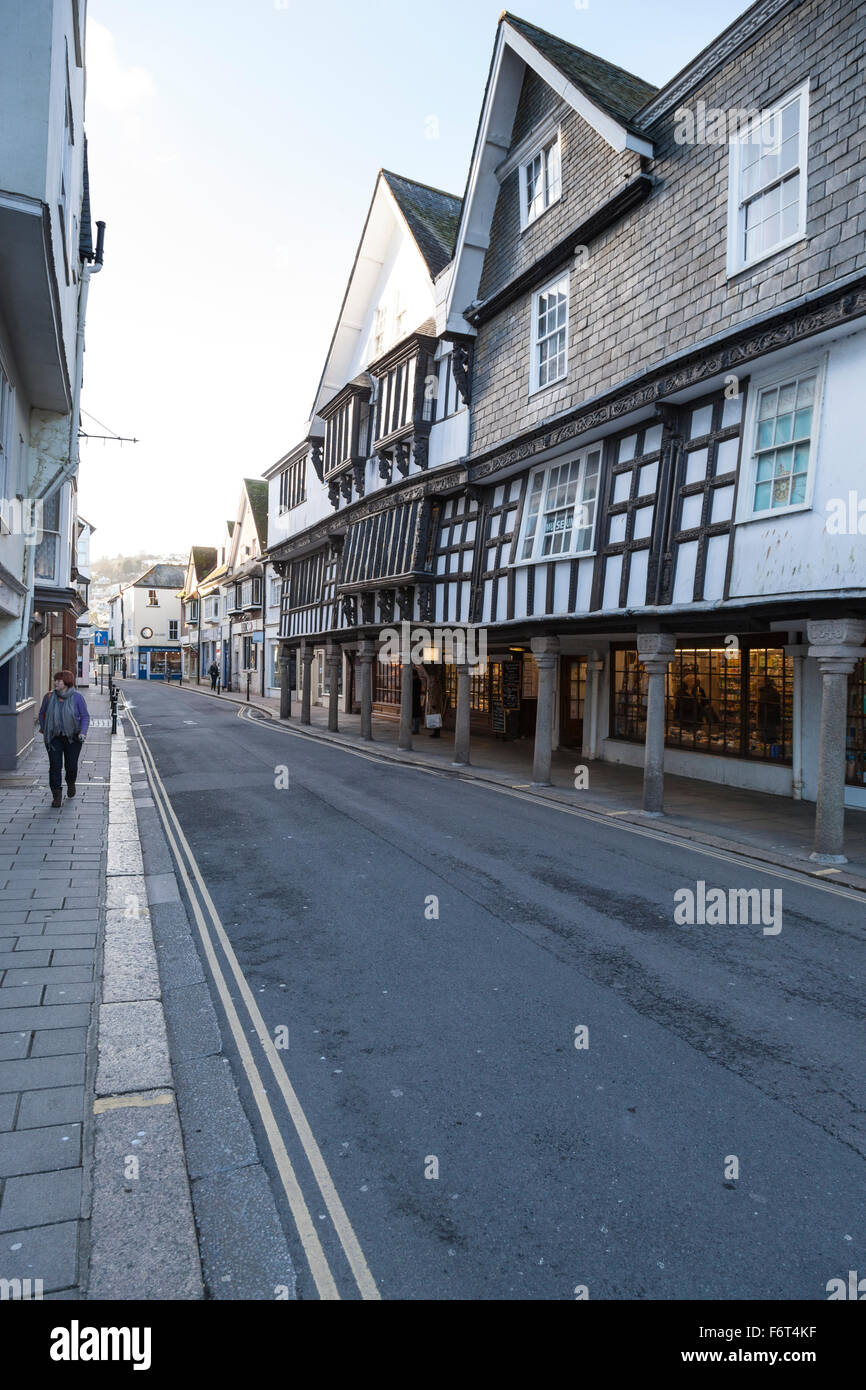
(264, 598)
(87, 270)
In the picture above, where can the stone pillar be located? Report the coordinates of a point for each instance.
(405, 739)
(285, 688)
(545, 651)
(366, 657)
(837, 645)
(334, 660)
(461, 728)
(594, 669)
(656, 651)
(797, 654)
(307, 682)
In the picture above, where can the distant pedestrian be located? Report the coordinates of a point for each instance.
(417, 699)
(434, 700)
(64, 721)
(214, 673)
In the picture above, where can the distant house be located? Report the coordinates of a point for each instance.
(202, 559)
(144, 626)
(243, 589)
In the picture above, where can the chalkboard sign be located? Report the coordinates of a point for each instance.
(511, 685)
(505, 701)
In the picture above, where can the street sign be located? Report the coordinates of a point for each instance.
(100, 637)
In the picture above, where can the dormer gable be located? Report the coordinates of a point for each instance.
(603, 95)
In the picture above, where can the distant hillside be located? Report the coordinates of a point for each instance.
(123, 569)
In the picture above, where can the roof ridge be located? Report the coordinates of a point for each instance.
(416, 183)
(587, 52)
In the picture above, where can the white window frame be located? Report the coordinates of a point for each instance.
(562, 282)
(781, 376)
(542, 149)
(173, 636)
(580, 456)
(152, 602)
(736, 258)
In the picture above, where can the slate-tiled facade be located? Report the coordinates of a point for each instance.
(655, 284)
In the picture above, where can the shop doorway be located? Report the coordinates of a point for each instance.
(571, 702)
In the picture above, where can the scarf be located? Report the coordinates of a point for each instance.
(61, 717)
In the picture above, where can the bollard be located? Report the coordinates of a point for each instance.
(248, 687)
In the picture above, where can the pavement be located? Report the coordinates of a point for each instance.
(94, 1194)
(771, 829)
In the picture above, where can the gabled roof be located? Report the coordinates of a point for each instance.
(620, 93)
(161, 577)
(604, 95)
(257, 492)
(431, 216)
(203, 557)
(213, 577)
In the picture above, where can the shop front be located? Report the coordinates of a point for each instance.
(730, 701)
(159, 663)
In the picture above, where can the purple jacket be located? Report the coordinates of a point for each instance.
(81, 713)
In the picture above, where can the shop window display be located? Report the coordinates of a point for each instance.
(734, 703)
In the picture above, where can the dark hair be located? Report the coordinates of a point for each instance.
(65, 676)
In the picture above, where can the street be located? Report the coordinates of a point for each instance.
(524, 1078)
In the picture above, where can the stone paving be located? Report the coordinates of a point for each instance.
(52, 867)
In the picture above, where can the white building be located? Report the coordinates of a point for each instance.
(144, 626)
(45, 267)
(388, 418)
(243, 591)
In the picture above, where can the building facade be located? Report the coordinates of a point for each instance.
(654, 301)
(47, 260)
(145, 620)
(243, 596)
(355, 507)
(202, 560)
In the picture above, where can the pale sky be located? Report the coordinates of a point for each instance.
(234, 147)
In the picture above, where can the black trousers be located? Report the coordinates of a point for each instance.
(62, 750)
(213, 681)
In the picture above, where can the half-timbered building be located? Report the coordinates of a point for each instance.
(666, 291)
(355, 508)
(655, 305)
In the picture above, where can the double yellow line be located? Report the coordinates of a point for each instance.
(210, 926)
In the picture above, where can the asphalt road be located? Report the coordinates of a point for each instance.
(415, 1037)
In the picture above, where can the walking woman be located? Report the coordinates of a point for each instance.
(64, 721)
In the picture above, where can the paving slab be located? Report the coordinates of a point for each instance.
(133, 1048)
(40, 1199)
(39, 1150)
(49, 1253)
(143, 1242)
